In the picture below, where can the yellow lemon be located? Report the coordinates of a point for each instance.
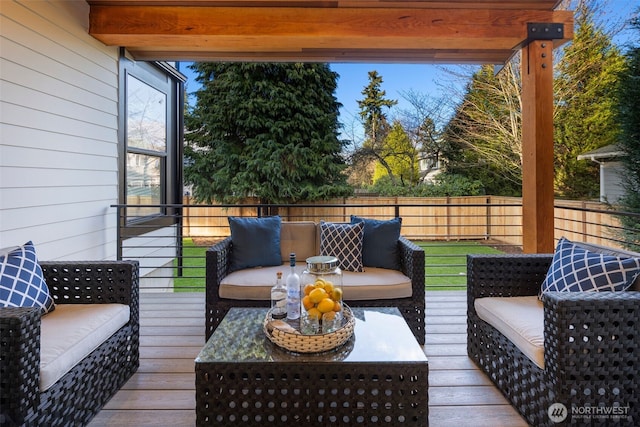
(314, 313)
(336, 294)
(328, 316)
(337, 306)
(317, 295)
(307, 303)
(328, 286)
(326, 305)
(308, 288)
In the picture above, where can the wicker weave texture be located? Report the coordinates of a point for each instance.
(592, 345)
(20, 364)
(218, 260)
(317, 394)
(82, 392)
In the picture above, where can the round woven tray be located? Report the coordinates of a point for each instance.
(311, 343)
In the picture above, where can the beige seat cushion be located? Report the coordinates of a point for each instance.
(299, 237)
(520, 319)
(374, 283)
(71, 332)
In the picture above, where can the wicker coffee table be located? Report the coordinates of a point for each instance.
(378, 377)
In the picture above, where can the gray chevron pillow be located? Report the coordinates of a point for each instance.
(343, 241)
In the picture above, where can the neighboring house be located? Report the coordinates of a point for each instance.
(82, 128)
(611, 171)
(430, 169)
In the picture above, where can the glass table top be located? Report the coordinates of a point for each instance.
(380, 334)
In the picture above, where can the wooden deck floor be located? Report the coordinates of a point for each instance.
(162, 392)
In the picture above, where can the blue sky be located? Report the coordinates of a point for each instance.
(397, 79)
(436, 81)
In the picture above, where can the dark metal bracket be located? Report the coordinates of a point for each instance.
(538, 31)
(544, 31)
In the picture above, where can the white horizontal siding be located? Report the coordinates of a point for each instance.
(42, 139)
(59, 129)
(87, 244)
(57, 159)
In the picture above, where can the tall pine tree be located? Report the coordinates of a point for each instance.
(265, 130)
(629, 140)
(585, 92)
(376, 127)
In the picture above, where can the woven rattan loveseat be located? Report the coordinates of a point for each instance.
(77, 397)
(301, 238)
(591, 346)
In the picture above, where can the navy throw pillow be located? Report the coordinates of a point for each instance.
(256, 242)
(380, 242)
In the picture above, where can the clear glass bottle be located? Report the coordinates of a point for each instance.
(321, 304)
(293, 290)
(278, 298)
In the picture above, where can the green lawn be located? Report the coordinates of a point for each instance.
(194, 271)
(445, 265)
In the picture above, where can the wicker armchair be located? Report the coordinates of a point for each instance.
(78, 396)
(591, 344)
(218, 260)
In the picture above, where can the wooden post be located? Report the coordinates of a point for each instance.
(537, 147)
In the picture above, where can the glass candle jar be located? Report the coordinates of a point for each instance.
(321, 302)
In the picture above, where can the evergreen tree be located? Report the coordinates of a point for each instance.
(376, 128)
(374, 119)
(264, 130)
(585, 92)
(628, 114)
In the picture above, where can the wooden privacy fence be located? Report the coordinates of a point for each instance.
(423, 219)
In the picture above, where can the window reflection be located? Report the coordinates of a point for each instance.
(146, 146)
(143, 183)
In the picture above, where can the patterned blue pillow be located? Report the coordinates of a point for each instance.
(575, 269)
(21, 281)
(343, 241)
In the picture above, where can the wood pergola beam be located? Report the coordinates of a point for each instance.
(320, 34)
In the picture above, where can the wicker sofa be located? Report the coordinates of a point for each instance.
(76, 397)
(302, 238)
(591, 345)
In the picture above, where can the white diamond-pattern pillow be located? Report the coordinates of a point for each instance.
(21, 280)
(575, 269)
(343, 241)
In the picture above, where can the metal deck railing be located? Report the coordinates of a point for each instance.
(171, 245)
